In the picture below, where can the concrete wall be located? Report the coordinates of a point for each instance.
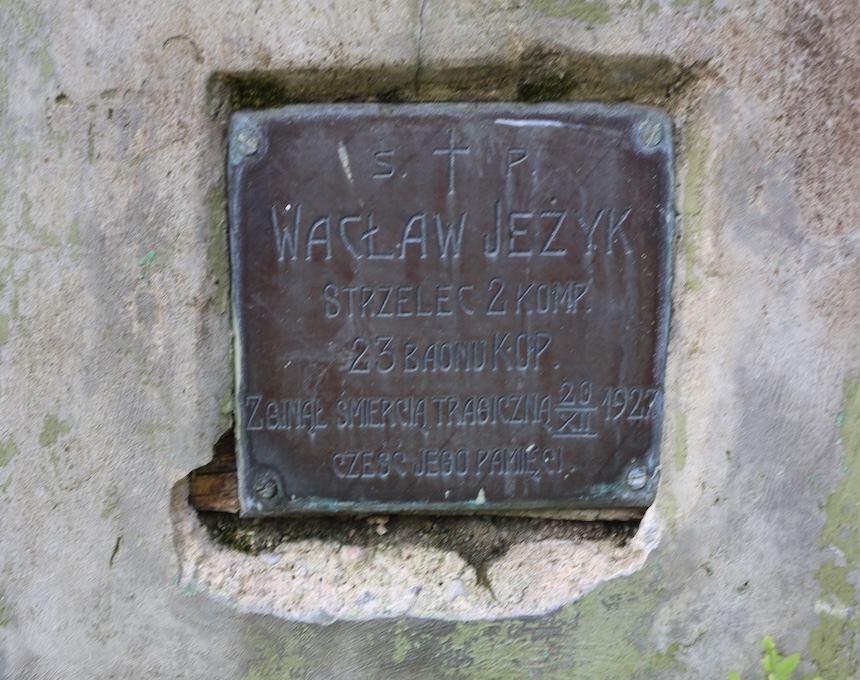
(114, 338)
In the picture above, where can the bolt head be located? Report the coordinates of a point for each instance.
(637, 478)
(247, 143)
(650, 132)
(266, 487)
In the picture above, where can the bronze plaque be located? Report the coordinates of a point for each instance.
(449, 308)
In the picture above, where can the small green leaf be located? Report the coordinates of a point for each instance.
(734, 676)
(786, 667)
(767, 643)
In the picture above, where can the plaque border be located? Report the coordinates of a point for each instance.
(618, 499)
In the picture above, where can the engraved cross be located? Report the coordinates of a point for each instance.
(451, 151)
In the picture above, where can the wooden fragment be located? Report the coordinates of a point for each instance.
(214, 487)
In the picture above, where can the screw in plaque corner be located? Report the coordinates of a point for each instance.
(247, 143)
(266, 487)
(637, 478)
(650, 132)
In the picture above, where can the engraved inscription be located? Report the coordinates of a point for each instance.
(451, 307)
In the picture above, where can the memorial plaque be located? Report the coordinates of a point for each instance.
(449, 308)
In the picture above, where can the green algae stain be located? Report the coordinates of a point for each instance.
(680, 440)
(216, 252)
(281, 659)
(92, 156)
(706, 5)
(29, 227)
(8, 450)
(590, 11)
(600, 636)
(494, 650)
(401, 644)
(52, 430)
(833, 644)
(666, 660)
(647, 7)
(110, 505)
(157, 428)
(667, 505)
(616, 611)
(4, 612)
(4, 329)
(46, 66)
(74, 238)
(692, 208)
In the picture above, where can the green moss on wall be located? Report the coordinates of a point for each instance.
(4, 329)
(216, 251)
(600, 636)
(589, 11)
(46, 65)
(701, 4)
(680, 440)
(8, 450)
(692, 208)
(52, 430)
(834, 642)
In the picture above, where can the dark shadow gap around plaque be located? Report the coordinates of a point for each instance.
(541, 73)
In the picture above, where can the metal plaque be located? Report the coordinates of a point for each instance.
(448, 307)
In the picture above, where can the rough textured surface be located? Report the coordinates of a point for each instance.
(114, 344)
(374, 567)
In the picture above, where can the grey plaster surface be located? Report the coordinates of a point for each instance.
(114, 342)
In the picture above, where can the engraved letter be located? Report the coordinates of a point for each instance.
(493, 309)
(331, 307)
(369, 236)
(500, 350)
(461, 298)
(514, 233)
(384, 166)
(494, 250)
(589, 231)
(542, 341)
(420, 239)
(254, 402)
(346, 242)
(614, 232)
(283, 239)
(558, 215)
(314, 240)
(449, 236)
(515, 157)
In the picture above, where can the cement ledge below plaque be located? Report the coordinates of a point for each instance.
(323, 580)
